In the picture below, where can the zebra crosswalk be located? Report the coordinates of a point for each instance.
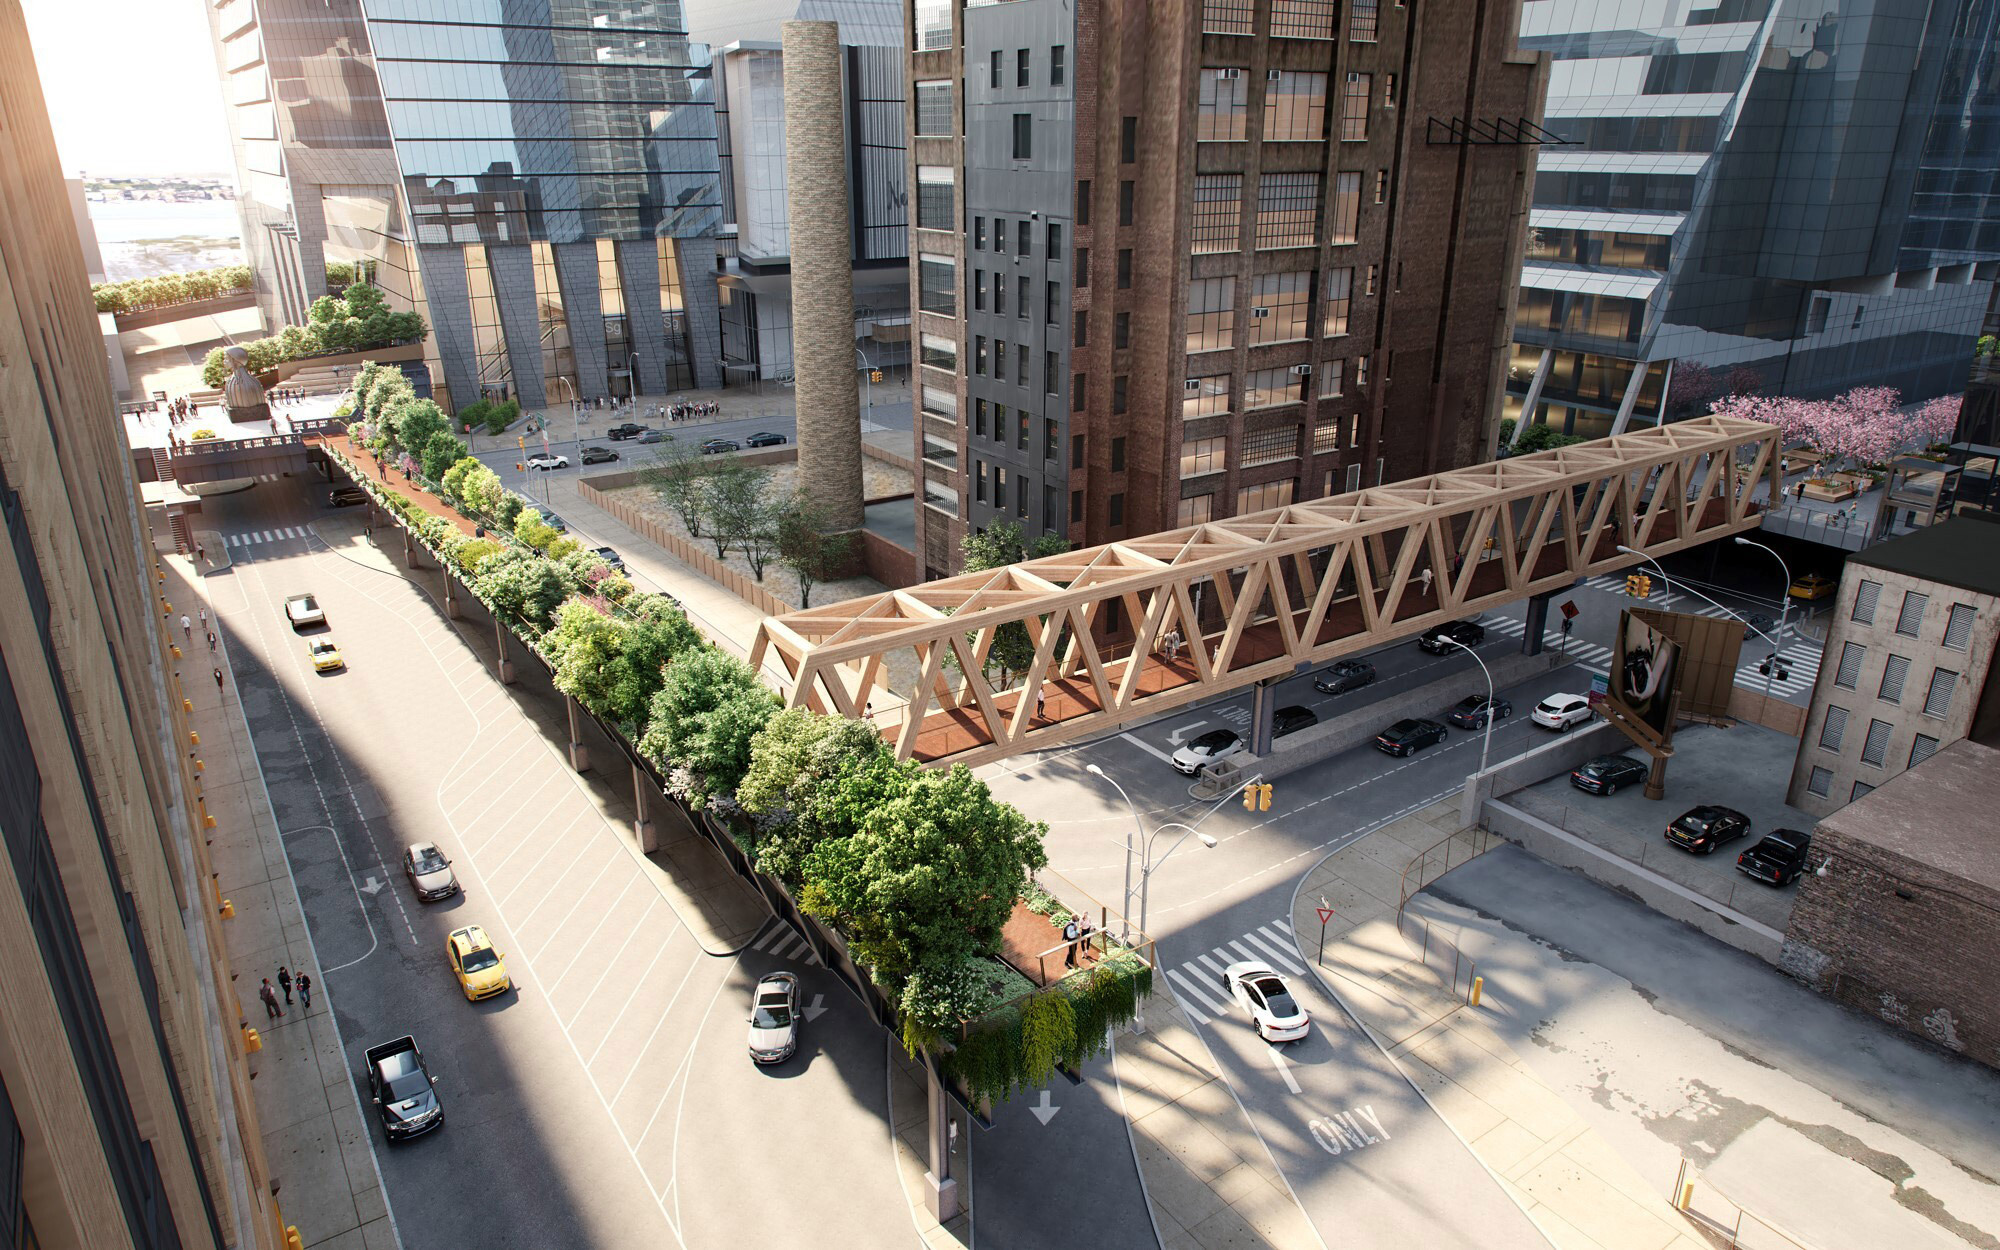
(1197, 983)
(250, 538)
(1595, 658)
(782, 941)
(1799, 657)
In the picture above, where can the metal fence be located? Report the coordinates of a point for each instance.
(1726, 1223)
(1834, 529)
(1454, 969)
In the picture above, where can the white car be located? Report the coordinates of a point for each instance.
(1560, 711)
(304, 610)
(1210, 747)
(1260, 991)
(774, 1018)
(543, 460)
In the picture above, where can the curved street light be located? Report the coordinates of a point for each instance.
(1784, 607)
(1486, 744)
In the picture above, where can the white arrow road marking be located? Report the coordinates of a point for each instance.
(1284, 1070)
(1179, 735)
(1044, 1111)
(817, 1009)
(1148, 748)
(371, 885)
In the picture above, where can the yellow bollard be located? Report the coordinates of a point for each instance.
(197, 765)
(228, 910)
(187, 707)
(1686, 1197)
(292, 1239)
(252, 1040)
(176, 650)
(194, 738)
(1478, 989)
(207, 821)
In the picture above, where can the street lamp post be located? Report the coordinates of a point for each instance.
(1784, 609)
(1732, 613)
(867, 382)
(1125, 903)
(1486, 743)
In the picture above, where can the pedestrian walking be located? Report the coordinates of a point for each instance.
(285, 980)
(218, 680)
(200, 553)
(1038, 706)
(187, 627)
(1071, 932)
(1083, 932)
(305, 984)
(270, 996)
(1425, 578)
(211, 641)
(1799, 491)
(201, 617)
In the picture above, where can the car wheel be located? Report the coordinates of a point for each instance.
(1564, 727)
(1610, 790)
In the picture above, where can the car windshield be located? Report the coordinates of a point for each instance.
(407, 1086)
(771, 1013)
(307, 604)
(321, 648)
(1213, 741)
(430, 861)
(1471, 703)
(1694, 824)
(481, 959)
(1778, 846)
(1402, 727)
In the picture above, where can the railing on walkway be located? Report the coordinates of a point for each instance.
(1454, 969)
(1727, 1219)
(1829, 528)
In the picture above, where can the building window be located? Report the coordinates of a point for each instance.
(1834, 729)
(979, 417)
(935, 107)
(994, 75)
(1279, 303)
(1056, 55)
(1346, 223)
(1287, 210)
(1082, 278)
(940, 352)
(1075, 504)
(1922, 749)
(1353, 482)
(1958, 627)
(1197, 509)
(1051, 370)
(937, 283)
(1080, 327)
(999, 294)
(1117, 510)
(1205, 397)
(941, 400)
(1022, 304)
(1121, 330)
(1221, 107)
(979, 481)
(1077, 388)
(1000, 424)
(1816, 316)
(1821, 782)
(1024, 137)
(1051, 439)
(1270, 446)
(1332, 379)
(1211, 314)
(933, 22)
(978, 234)
(1893, 674)
(1295, 107)
(1118, 454)
(1227, 17)
(1388, 91)
(1361, 16)
(1326, 439)
(1382, 191)
(999, 488)
(1118, 389)
(1303, 19)
(1000, 360)
(1000, 235)
(1021, 379)
(1267, 388)
(1082, 204)
(1354, 106)
(1266, 495)
(1861, 791)
(1124, 268)
(1021, 68)
(1937, 702)
(1055, 242)
(1865, 597)
(979, 290)
(1875, 747)
(1218, 210)
(1338, 295)
(1203, 455)
(1128, 140)
(1051, 303)
(1910, 621)
(979, 357)
(935, 209)
(1127, 199)
(1024, 238)
(1021, 427)
(1076, 451)
(1848, 675)
(1372, 271)
(1361, 371)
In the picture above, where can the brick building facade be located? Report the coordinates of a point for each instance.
(1173, 263)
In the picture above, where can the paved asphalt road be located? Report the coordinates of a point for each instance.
(607, 1100)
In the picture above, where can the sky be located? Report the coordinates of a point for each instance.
(131, 86)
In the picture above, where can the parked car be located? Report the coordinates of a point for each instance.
(1812, 586)
(544, 460)
(1701, 829)
(716, 446)
(1561, 711)
(1344, 676)
(774, 1018)
(627, 430)
(1465, 633)
(598, 455)
(610, 557)
(554, 522)
(764, 438)
(429, 872)
(324, 654)
(1263, 994)
(304, 610)
(1604, 774)
(346, 496)
(1289, 720)
(1779, 857)
(1756, 624)
(1408, 736)
(655, 436)
(404, 1093)
(1474, 710)
(477, 965)
(1206, 749)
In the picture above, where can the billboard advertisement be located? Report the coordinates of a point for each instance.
(1643, 674)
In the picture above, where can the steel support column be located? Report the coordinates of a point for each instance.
(643, 829)
(1538, 620)
(505, 666)
(940, 1187)
(1263, 702)
(579, 754)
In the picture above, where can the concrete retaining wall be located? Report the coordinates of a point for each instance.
(1559, 755)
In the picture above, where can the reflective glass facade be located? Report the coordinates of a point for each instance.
(1779, 196)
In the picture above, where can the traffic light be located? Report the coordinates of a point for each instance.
(521, 441)
(1257, 797)
(1638, 585)
(874, 375)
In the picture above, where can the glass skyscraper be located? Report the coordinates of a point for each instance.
(1780, 196)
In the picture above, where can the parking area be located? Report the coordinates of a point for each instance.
(1745, 767)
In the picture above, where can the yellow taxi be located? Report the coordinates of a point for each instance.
(324, 655)
(475, 963)
(1813, 586)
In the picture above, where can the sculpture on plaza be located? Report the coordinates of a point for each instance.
(242, 395)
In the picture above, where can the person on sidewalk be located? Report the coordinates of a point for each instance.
(218, 680)
(187, 627)
(200, 554)
(1071, 933)
(211, 641)
(201, 617)
(270, 996)
(305, 984)
(285, 981)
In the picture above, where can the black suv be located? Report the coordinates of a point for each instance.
(1606, 773)
(1405, 737)
(346, 496)
(1700, 830)
(1289, 720)
(1779, 857)
(1466, 633)
(627, 430)
(1345, 676)
(764, 438)
(1472, 711)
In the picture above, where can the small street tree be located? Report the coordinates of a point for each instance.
(444, 450)
(806, 548)
(813, 777)
(676, 475)
(1012, 651)
(709, 707)
(738, 515)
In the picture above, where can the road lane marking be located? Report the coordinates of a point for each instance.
(1276, 954)
(602, 920)
(609, 864)
(1188, 989)
(1147, 747)
(1344, 1132)
(1285, 1070)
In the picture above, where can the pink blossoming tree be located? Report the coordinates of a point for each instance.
(1867, 425)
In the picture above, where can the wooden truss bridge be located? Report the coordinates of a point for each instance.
(1125, 631)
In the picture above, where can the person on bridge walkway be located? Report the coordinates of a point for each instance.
(270, 996)
(285, 980)
(1071, 933)
(1425, 578)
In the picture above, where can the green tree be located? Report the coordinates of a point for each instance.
(524, 587)
(740, 515)
(676, 476)
(1544, 437)
(443, 450)
(1012, 650)
(813, 777)
(453, 478)
(701, 723)
(807, 548)
(656, 631)
(416, 422)
(583, 647)
(481, 491)
(532, 530)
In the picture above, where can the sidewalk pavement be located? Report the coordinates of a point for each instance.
(1208, 1176)
(1579, 1191)
(315, 1136)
